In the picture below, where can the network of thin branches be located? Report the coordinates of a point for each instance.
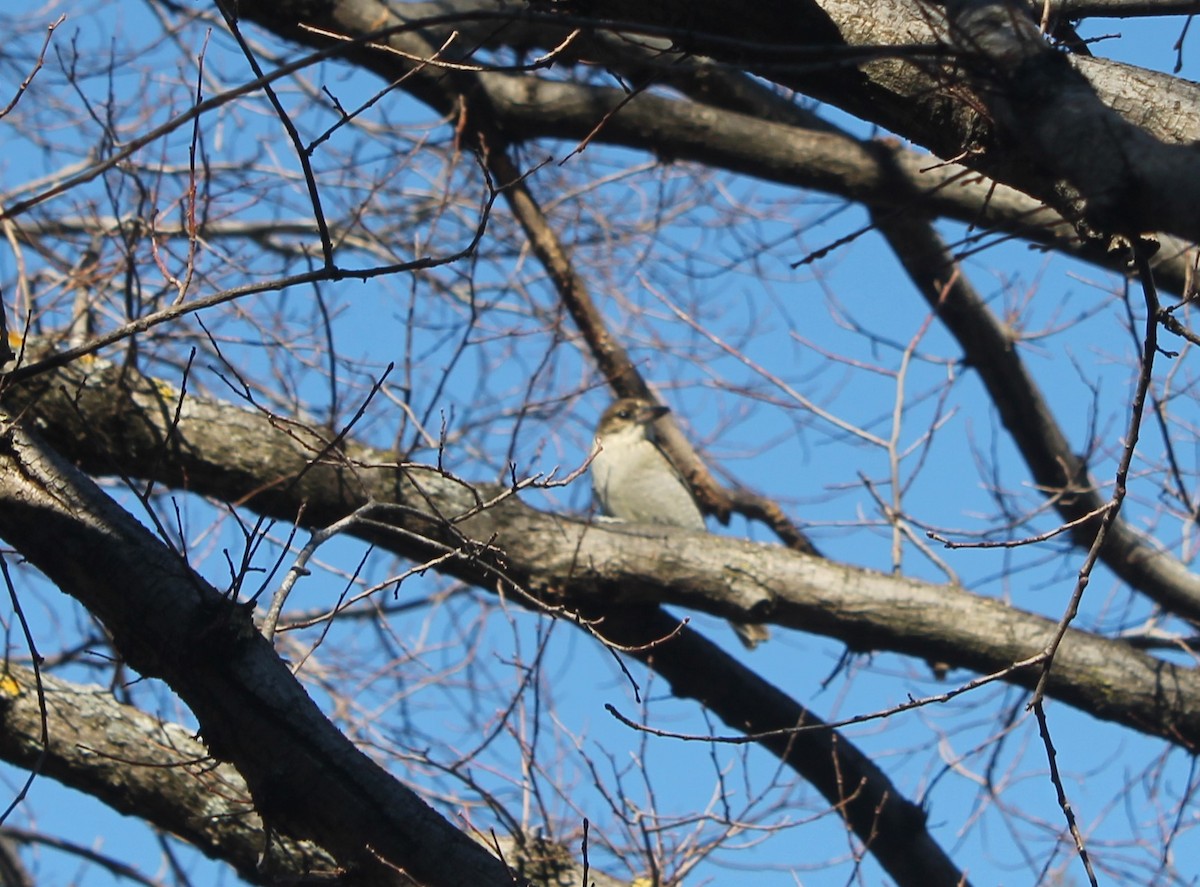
(310, 311)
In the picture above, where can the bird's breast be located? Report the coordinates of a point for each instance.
(638, 484)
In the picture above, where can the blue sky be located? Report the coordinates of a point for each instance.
(715, 264)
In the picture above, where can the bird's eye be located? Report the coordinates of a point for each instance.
(625, 414)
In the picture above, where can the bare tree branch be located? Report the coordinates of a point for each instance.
(305, 777)
(112, 420)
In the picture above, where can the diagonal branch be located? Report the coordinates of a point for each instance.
(144, 767)
(305, 776)
(993, 353)
(114, 420)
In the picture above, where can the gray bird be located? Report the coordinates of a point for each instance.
(634, 481)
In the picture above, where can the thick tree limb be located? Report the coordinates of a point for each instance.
(305, 776)
(731, 130)
(144, 767)
(1116, 168)
(115, 421)
(159, 772)
(1107, 145)
(1079, 9)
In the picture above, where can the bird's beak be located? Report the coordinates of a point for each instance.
(648, 414)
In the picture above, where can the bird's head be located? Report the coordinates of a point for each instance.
(629, 417)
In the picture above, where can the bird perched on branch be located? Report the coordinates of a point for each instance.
(634, 481)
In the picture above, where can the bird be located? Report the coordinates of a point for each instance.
(634, 481)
